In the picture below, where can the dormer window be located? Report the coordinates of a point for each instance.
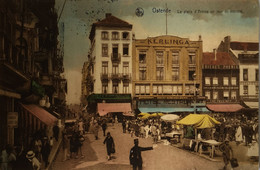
(125, 35)
(115, 36)
(104, 35)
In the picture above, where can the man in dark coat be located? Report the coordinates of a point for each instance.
(135, 156)
(227, 153)
(109, 141)
(46, 149)
(104, 127)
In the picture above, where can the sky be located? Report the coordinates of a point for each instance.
(212, 19)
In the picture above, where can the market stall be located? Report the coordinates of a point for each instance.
(201, 121)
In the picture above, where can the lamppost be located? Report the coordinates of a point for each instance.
(194, 77)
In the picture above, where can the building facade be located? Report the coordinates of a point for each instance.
(166, 73)
(247, 54)
(109, 61)
(220, 81)
(30, 68)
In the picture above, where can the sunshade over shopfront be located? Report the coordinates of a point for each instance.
(104, 108)
(172, 109)
(229, 108)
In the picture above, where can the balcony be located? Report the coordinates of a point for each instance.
(104, 76)
(115, 57)
(115, 76)
(126, 76)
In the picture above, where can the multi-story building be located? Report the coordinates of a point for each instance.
(167, 74)
(247, 54)
(30, 68)
(220, 81)
(110, 62)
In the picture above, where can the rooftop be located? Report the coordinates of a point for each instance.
(222, 58)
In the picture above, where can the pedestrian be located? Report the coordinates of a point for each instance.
(124, 125)
(7, 158)
(51, 142)
(21, 163)
(96, 128)
(56, 130)
(227, 153)
(46, 149)
(104, 127)
(65, 146)
(135, 156)
(34, 162)
(109, 141)
(81, 127)
(147, 129)
(239, 135)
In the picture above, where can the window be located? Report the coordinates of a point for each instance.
(104, 67)
(245, 74)
(207, 80)
(207, 94)
(191, 73)
(233, 95)
(125, 49)
(159, 57)
(179, 89)
(175, 57)
(225, 81)
(157, 89)
(115, 51)
(115, 36)
(226, 95)
(125, 68)
(215, 81)
(125, 87)
(256, 89)
(115, 68)
(104, 35)
(125, 35)
(189, 89)
(104, 87)
(142, 57)
(175, 73)
(115, 87)
(142, 73)
(245, 90)
(234, 81)
(215, 95)
(192, 58)
(256, 74)
(159, 73)
(104, 50)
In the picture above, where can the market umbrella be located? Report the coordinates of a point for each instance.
(199, 121)
(156, 114)
(142, 114)
(170, 117)
(146, 116)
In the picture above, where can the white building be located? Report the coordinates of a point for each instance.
(247, 54)
(111, 60)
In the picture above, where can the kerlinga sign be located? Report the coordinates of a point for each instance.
(167, 41)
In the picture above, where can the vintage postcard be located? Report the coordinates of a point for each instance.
(129, 84)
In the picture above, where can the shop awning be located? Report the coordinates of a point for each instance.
(252, 104)
(41, 114)
(104, 108)
(224, 107)
(171, 109)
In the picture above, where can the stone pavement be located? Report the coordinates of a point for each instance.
(163, 157)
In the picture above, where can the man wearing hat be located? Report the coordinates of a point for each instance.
(135, 156)
(34, 161)
(227, 152)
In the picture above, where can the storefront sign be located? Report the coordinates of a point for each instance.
(168, 41)
(12, 119)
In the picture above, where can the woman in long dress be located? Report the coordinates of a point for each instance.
(239, 135)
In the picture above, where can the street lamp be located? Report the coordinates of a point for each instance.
(194, 77)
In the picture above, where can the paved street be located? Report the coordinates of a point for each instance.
(163, 157)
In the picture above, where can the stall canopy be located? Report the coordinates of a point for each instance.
(104, 108)
(172, 109)
(170, 117)
(41, 114)
(224, 107)
(199, 121)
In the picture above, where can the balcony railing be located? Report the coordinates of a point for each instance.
(126, 76)
(115, 57)
(114, 76)
(104, 76)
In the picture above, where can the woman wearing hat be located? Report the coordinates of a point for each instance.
(109, 141)
(34, 161)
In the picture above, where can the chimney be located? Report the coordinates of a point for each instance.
(200, 38)
(215, 54)
(227, 40)
(108, 15)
